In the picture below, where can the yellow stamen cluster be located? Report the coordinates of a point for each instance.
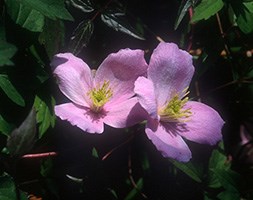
(99, 96)
(173, 110)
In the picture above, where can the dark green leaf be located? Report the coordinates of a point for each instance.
(10, 90)
(51, 8)
(7, 51)
(118, 22)
(85, 6)
(245, 21)
(94, 152)
(227, 178)
(45, 115)
(132, 194)
(189, 169)
(5, 127)
(25, 16)
(185, 5)
(229, 195)
(206, 9)
(52, 36)
(81, 36)
(22, 139)
(7, 189)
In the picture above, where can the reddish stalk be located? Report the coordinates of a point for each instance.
(40, 155)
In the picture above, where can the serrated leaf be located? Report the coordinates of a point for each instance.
(184, 6)
(84, 6)
(22, 139)
(81, 36)
(8, 190)
(118, 22)
(189, 169)
(5, 127)
(7, 51)
(25, 16)
(206, 9)
(45, 115)
(10, 90)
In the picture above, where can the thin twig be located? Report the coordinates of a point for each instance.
(131, 175)
(40, 155)
(222, 34)
(120, 145)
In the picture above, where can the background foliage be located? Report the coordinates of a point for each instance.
(43, 157)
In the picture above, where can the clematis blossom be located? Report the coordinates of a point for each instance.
(100, 97)
(171, 116)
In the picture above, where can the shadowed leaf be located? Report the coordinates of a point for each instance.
(22, 139)
(118, 22)
(10, 90)
(81, 36)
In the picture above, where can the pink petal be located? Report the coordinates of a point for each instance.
(73, 76)
(124, 114)
(170, 69)
(204, 126)
(121, 69)
(145, 92)
(167, 142)
(82, 118)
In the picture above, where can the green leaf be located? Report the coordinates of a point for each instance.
(94, 152)
(228, 195)
(206, 9)
(189, 169)
(134, 192)
(52, 36)
(5, 127)
(118, 22)
(45, 115)
(25, 16)
(7, 51)
(249, 6)
(8, 190)
(81, 36)
(184, 6)
(10, 90)
(245, 21)
(22, 139)
(227, 178)
(50, 8)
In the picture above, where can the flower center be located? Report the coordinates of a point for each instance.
(99, 96)
(173, 110)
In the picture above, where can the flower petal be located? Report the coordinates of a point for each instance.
(170, 69)
(204, 126)
(124, 114)
(73, 76)
(121, 69)
(145, 92)
(82, 118)
(169, 144)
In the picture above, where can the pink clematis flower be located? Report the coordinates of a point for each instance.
(171, 115)
(100, 97)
